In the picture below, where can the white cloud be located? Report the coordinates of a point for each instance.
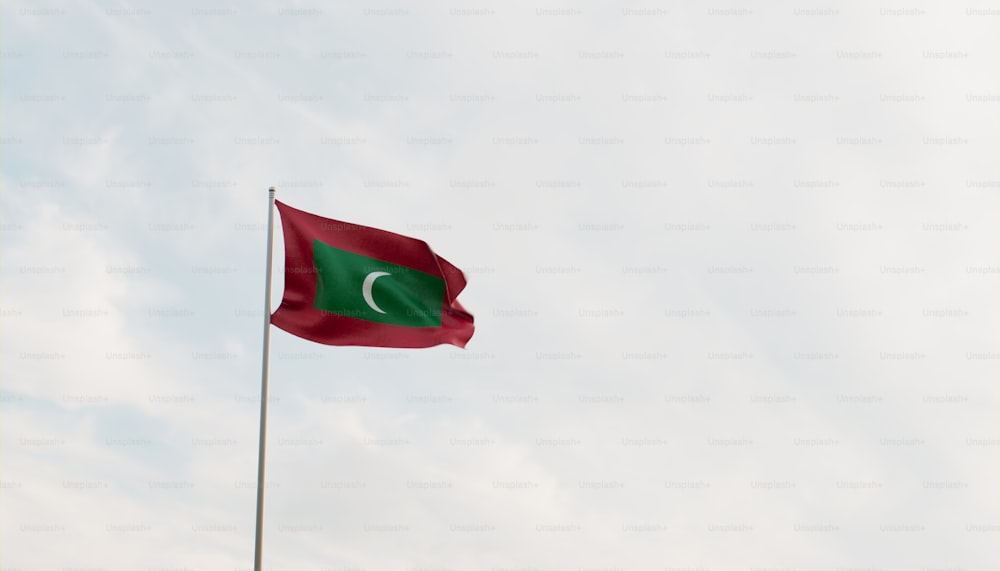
(734, 278)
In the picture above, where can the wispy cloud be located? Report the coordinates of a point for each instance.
(733, 271)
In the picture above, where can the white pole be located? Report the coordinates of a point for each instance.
(259, 533)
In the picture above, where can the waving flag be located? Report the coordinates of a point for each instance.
(347, 284)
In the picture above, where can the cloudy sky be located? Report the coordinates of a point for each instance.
(734, 268)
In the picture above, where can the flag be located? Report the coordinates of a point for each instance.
(347, 284)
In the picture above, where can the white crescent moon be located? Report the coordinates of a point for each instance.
(366, 289)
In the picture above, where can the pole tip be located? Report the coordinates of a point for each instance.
(272, 189)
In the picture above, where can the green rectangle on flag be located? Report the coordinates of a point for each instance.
(366, 288)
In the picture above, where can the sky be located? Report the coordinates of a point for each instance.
(733, 266)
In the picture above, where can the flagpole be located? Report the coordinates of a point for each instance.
(264, 372)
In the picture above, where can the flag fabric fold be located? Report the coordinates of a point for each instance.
(347, 284)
